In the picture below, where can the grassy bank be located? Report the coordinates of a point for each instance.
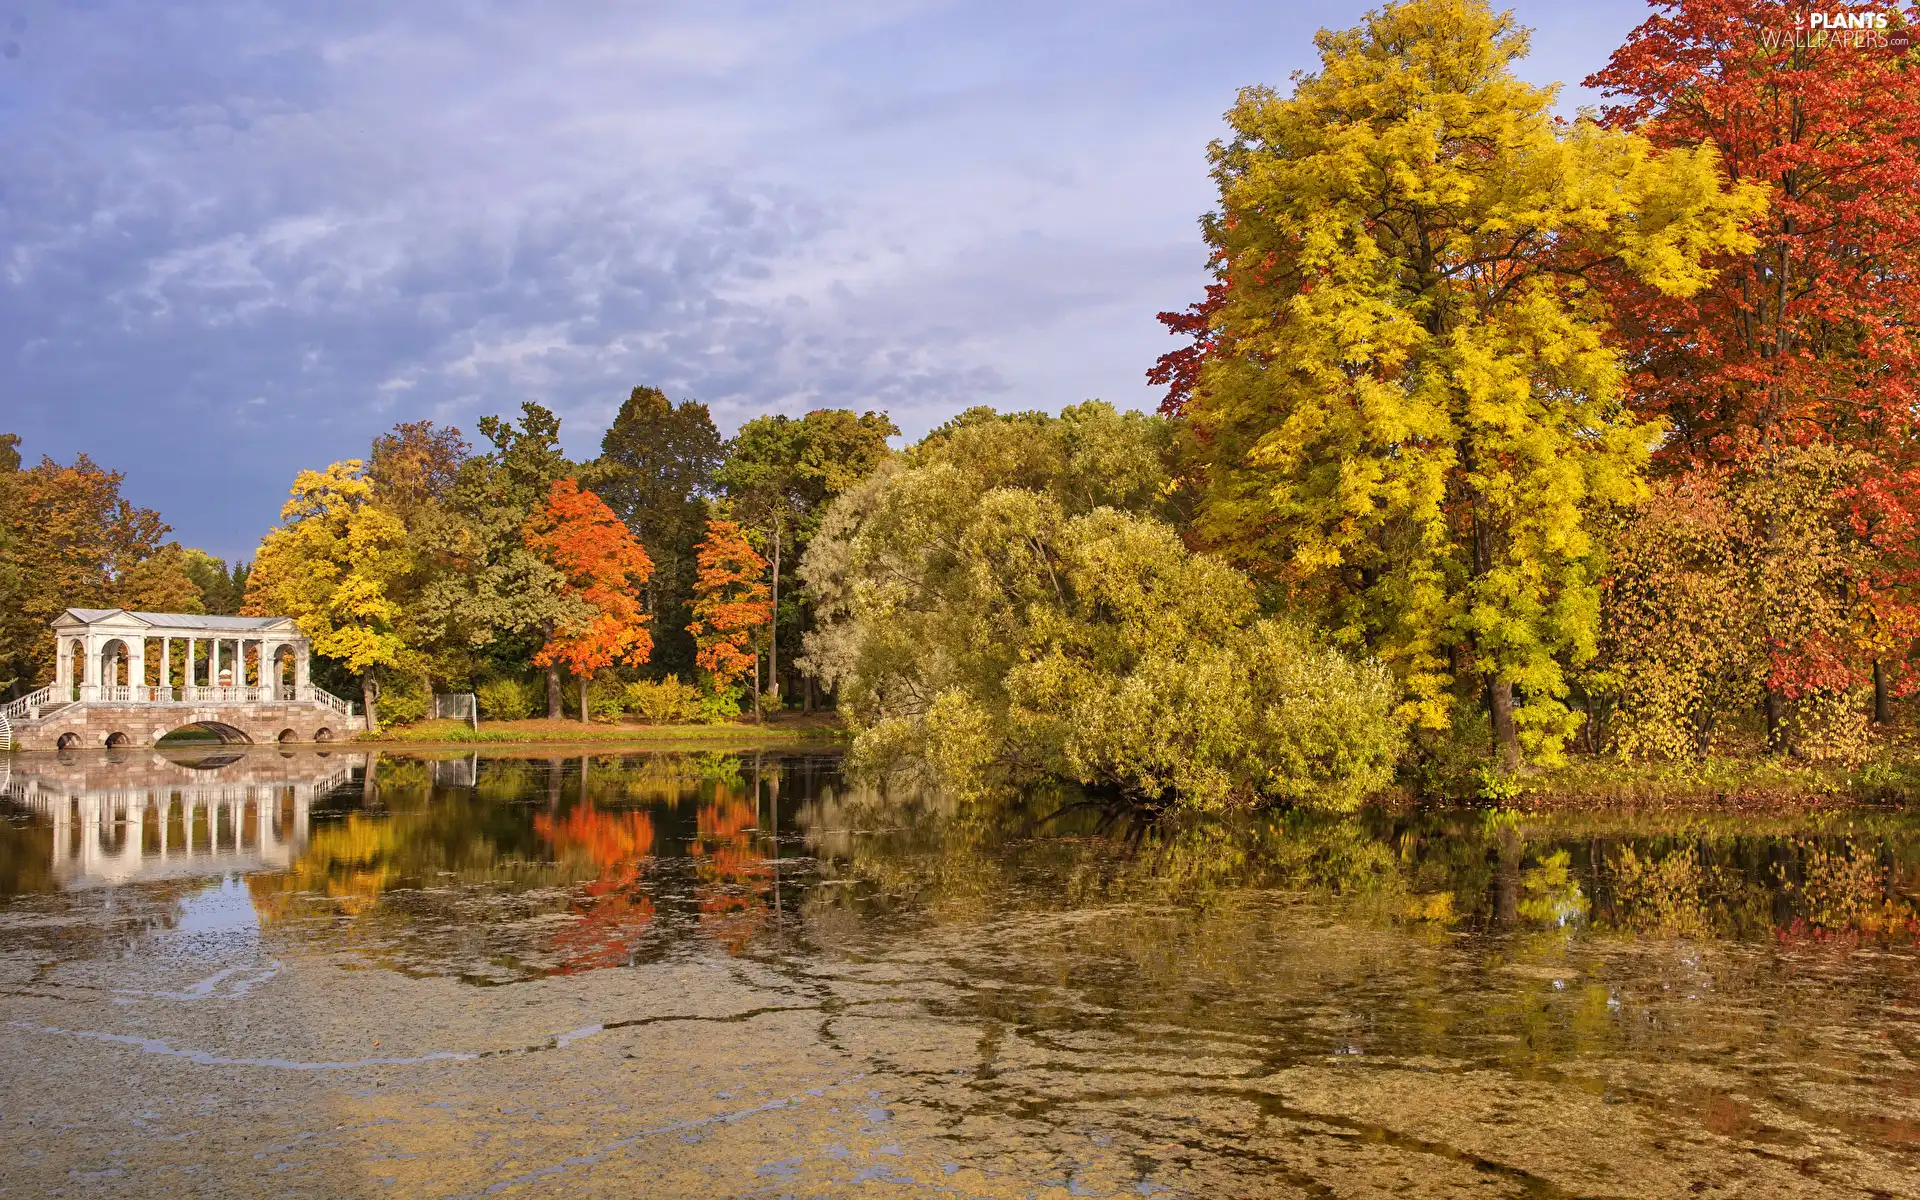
(1749, 781)
(819, 731)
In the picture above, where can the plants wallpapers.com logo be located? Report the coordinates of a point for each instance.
(1851, 29)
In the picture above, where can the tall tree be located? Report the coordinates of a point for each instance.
(730, 605)
(329, 567)
(780, 475)
(656, 470)
(1402, 404)
(1810, 335)
(489, 592)
(606, 569)
(68, 538)
(222, 589)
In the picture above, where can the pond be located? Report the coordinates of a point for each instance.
(346, 974)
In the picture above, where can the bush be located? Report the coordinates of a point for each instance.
(403, 699)
(716, 707)
(664, 701)
(504, 700)
(606, 699)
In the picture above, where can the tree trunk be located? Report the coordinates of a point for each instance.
(1775, 707)
(369, 694)
(554, 708)
(585, 717)
(757, 715)
(773, 638)
(1506, 739)
(1882, 702)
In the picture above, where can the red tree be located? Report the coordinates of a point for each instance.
(729, 603)
(605, 567)
(1811, 337)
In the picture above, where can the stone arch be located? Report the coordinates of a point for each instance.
(77, 670)
(287, 735)
(68, 741)
(323, 734)
(114, 656)
(229, 735)
(117, 738)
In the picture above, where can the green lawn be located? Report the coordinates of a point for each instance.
(783, 731)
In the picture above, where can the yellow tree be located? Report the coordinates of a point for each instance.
(1401, 393)
(329, 566)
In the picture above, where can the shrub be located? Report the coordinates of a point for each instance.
(714, 707)
(404, 699)
(663, 701)
(504, 699)
(606, 699)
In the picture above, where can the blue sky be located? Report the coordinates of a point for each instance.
(237, 238)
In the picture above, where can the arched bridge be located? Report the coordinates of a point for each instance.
(119, 682)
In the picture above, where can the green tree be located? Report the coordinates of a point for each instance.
(655, 470)
(222, 590)
(982, 631)
(1403, 403)
(329, 566)
(781, 473)
(487, 591)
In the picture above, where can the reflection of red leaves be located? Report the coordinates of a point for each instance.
(615, 916)
(736, 886)
(605, 837)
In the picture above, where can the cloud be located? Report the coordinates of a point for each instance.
(239, 238)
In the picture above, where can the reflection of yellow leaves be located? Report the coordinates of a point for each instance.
(349, 861)
(1553, 895)
(1663, 894)
(1847, 889)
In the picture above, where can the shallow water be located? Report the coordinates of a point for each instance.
(305, 974)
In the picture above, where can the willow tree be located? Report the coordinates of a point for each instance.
(1402, 398)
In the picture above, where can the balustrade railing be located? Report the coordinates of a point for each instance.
(27, 707)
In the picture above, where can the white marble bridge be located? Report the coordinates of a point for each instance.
(130, 678)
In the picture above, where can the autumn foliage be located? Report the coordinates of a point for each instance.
(1808, 341)
(580, 536)
(729, 603)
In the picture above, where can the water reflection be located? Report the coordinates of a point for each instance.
(136, 816)
(788, 981)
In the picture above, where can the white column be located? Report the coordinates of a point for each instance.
(137, 662)
(213, 662)
(90, 667)
(166, 665)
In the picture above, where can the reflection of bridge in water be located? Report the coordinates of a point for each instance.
(124, 818)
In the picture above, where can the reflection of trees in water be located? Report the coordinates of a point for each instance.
(735, 888)
(1471, 869)
(614, 913)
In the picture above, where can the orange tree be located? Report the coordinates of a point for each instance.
(604, 567)
(729, 605)
(1809, 338)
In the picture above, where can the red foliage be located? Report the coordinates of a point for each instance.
(1811, 337)
(729, 603)
(1179, 370)
(604, 566)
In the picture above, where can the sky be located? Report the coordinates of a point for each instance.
(238, 239)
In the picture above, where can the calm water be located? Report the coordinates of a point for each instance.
(335, 975)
